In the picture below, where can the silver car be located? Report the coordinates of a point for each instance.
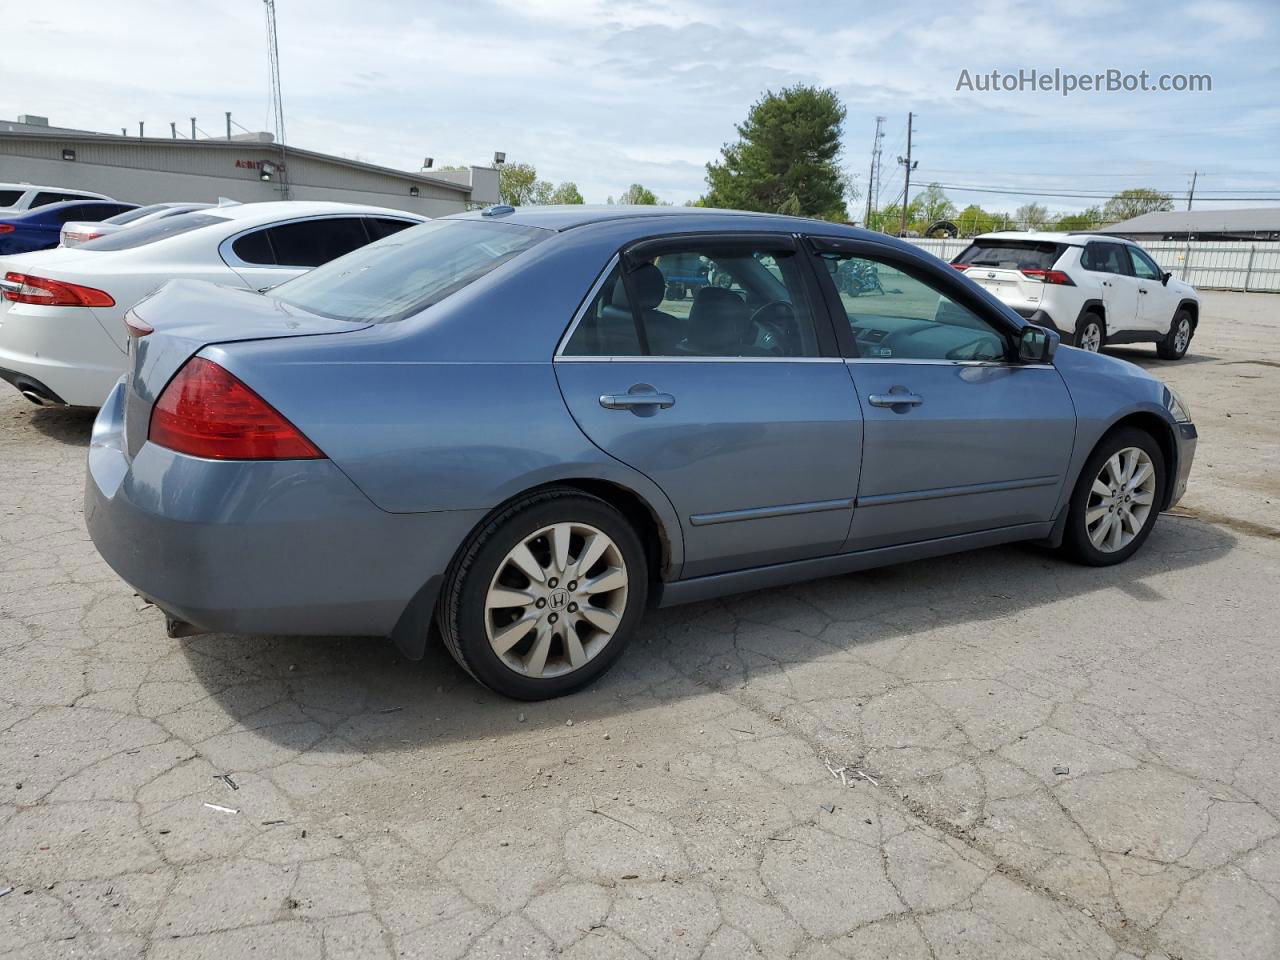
(519, 427)
(81, 231)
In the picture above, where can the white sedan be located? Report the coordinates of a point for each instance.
(76, 232)
(62, 334)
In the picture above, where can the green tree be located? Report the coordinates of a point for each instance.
(1134, 203)
(1032, 216)
(973, 221)
(787, 154)
(934, 205)
(1085, 220)
(567, 192)
(640, 196)
(518, 184)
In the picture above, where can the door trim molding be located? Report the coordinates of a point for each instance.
(939, 493)
(764, 513)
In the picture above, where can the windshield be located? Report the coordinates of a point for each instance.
(407, 271)
(1015, 254)
(146, 233)
(131, 215)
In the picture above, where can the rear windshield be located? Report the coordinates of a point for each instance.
(146, 233)
(1012, 254)
(9, 197)
(131, 215)
(408, 271)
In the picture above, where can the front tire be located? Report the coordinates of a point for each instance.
(542, 599)
(1091, 333)
(1174, 345)
(1117, 499)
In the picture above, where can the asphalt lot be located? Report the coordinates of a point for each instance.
(1039, 760)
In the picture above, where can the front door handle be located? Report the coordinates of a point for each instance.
(894, 399)
(640, 395)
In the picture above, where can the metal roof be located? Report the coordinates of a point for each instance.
(1245, 220)
(99, 139)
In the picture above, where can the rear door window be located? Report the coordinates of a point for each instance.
(310, 243)
(1011, 254)
(1104, 258)
(254, 248)
(9, 197)
(380, 227)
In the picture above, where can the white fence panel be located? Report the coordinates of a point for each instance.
(1211, 265)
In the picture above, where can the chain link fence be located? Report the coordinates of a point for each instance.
(1251, 266)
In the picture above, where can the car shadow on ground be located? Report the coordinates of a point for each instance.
(70, 425)
(359, 695)
(1148, 359)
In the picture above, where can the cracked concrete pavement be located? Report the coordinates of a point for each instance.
(991, 755)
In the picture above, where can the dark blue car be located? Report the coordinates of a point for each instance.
(38, 229)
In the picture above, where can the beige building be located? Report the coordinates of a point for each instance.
(248, 167)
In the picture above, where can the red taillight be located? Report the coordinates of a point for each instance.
(961, 266)
(1050, 276)
(207, 412)
(55, 293)
(7, 228)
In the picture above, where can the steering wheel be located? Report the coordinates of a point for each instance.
(776, 321)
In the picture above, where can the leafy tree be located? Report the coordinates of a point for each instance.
(787, 154)
(934, 205)
(518, 184)
(1134, 203)
(1085, 220)
(973, 221)
(567, 192)
(639, 195)
(1032, 216)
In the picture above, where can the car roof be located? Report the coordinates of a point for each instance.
(32, 213)
(568, 216)
(1048, 236)
(24, 187)
(268, 210)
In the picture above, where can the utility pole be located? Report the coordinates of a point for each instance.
(173, 129)
(1191, 194)
(875, 169)
(909, 166)
(1186, 251)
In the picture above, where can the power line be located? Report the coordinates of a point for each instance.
(1080, 196)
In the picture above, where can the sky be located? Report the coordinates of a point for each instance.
(612, 92)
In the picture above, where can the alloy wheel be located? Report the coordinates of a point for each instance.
(1120, 500)
(1182, 338)
(1091, 337)
(556, 600)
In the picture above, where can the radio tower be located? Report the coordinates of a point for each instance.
(277, 104)
(873, 178)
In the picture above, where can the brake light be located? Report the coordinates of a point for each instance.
(961, 266)
(55, 293)
(1050, 276)
(206, 411)
(7, 228)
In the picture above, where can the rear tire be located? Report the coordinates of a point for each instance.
(1115, 503)
(1091, 333)
(1174, 345)
(565, 624)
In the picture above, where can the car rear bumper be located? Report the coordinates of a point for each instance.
(64, 350)
(1039, 317)
(285, 547)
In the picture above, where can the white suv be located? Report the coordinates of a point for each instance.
(1094, 290)
(18, 198)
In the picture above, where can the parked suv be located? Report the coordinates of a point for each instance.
(18, 198)
(1094, 290)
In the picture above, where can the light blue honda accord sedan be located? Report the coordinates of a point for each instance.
(519, 428)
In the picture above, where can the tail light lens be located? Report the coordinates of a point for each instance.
(55, 293)
(962, 267)
(205, 411)
(1050, 276)
(7, 228)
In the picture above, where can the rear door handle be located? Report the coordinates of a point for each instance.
(640, 395)
(895, 399)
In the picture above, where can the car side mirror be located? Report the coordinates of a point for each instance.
(1037, 345)
(1166, 278)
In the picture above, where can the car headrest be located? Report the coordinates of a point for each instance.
(717, 321)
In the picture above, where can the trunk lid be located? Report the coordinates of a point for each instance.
(188, 315)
